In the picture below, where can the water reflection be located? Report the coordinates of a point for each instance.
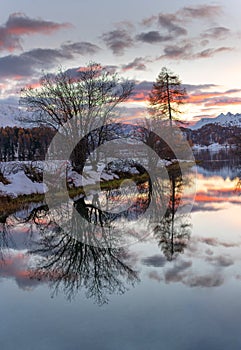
(73, 263)
(174, 230)
(71, 259)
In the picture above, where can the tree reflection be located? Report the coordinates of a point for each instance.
(174, 230)
(72, 262)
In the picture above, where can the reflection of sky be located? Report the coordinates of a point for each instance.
(190, 303)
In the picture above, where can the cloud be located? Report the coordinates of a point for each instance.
(130, 114)
(211, 52)
(18, 25)
(167, 21)
(138, 63)
(153, 37)
(201, 11)
(141, 91)
(191, 87)
(81, 48)
(147, 22)
(223, 101)
(29, 63)
(216, 33)
(186, 52)
(206, 97)
(117, 40)
(176, 52)
(154, 261)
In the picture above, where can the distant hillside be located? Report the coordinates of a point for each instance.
(211, 134)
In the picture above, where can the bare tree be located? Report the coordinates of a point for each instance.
(87, 97)
(166, 96)
(88, 94)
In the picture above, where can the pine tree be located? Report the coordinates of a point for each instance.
(166, 96)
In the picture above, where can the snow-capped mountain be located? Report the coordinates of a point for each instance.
(225, 120)
(10, 115)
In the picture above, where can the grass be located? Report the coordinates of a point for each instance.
(10, 205)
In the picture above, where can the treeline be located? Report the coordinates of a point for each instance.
(213, 133)
(17, 143)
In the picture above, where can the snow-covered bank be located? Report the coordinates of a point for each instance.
(212, 147)
(26, 178)
(20, 184)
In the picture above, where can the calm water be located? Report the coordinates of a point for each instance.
(177, 289)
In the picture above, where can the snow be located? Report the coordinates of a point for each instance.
(10, 115)
(20, 184)
(212, 147)
(225, 120)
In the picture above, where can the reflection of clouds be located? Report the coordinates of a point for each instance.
(155, 261)
(175, 274)
(222, 261)
(15, 266)
(209, 258)
(211, 280)
(215, 191)
(154, 275)
(182, 272)
(212, 241)
(204, 207)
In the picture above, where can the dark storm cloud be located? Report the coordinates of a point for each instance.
(152, 37)
(117, 40)
(18, 24)
(154, 261)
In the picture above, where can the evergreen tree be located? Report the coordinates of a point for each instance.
(166, 96)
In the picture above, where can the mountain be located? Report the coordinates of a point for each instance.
(224, 120)
(10, 115)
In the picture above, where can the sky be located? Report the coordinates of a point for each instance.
(199, 41)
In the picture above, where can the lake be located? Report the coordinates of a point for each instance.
(177, 288)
